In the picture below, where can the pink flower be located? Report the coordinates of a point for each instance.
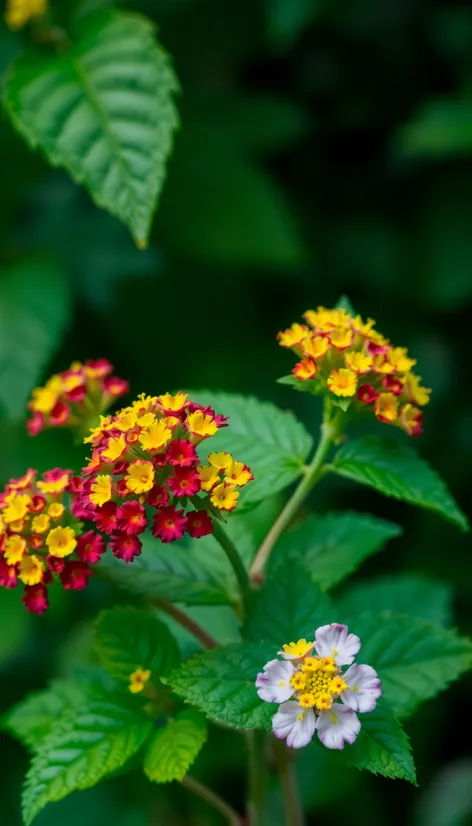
(169, 524)
(184, 482)
(199, 524)
(125, 547)
(90, 547)
(106, 518)
(8, 575)
(35, 599)
(158, 497)
(75, 576)
(131, 518)
(182, 452)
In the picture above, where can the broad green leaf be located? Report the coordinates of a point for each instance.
(424, 598)
(103, 110)
(35, 716)
(271, 441)
(396, 470)
(334, 545)
(382, 746)
(221, 683)
(288, 607)
(126, 639)
(34, 310)
(175, 747)
(414, 659)
(174, 576)
(93, 741)
(441, 127)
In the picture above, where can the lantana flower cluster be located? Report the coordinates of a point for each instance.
(39, 541)
(19, 12)
(75, 397)
(145, 471)
(347, 359)
(314, 692)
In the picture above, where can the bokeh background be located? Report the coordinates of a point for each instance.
(326, 148)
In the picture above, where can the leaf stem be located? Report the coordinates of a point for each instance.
(257, 798)
(288, 784)
(187, 622)
(214, 800)
(234, 558)
(330, 430)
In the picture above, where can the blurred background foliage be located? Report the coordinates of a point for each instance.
(326, 148)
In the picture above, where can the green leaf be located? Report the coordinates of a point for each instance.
(31, 720)
(221, 683)
(175, 747)
(271, 441)
(175, 577)
(34, 310)
(87, 745)
(441, 127)
(344, 303)
(334, 545)
(288, 18)
(382, 746)
(414, 659)
(424, 598)
(103, 110)
(394, 469)
(126, 639)
(308, 386)
(288, 607)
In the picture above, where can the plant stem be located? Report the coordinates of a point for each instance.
(314, 471)
(234, 558)
(257, 798)
(230, 814)
(293, 809)
(187, 622)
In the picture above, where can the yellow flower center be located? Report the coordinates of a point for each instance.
(317, 682)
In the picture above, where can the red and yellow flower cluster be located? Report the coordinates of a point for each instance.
(39, 539)
(347, 358)
(145, 458)
(75, 397)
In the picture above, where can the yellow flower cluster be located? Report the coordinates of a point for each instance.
(222, 476)
(19, 12)
(350, 360)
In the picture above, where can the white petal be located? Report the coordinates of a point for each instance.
(335, 641)
(337, 726)
(294, 724)
(273, 684)
(364, 689)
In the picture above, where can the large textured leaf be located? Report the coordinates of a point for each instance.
(287, 608)
(175, 747)
(34, 310)
(382, 746)
(334, 545)
(92, 742)
(221, 683)
(35, 716)
(396, 470)
(175, 576)
(424, 598)
(271, 441)
(415, 659)
(103, 110)
(126, 639)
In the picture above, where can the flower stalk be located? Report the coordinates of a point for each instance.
(214, 800)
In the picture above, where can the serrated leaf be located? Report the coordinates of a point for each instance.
(382, 746)
(175, 577)
(31, 720)
(414, 659)
(221, 683)
(34, 310)
(126, 639)
(271, 441)
(394, 469)
(288, 607)
(103, 110)
(424, 598)
(334, 545)
(175, 747)
(89, 744)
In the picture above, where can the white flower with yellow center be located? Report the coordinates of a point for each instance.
(315, 694)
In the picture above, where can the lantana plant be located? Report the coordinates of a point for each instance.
(169, 505)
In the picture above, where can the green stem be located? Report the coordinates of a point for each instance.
(293, 809)
(187, 622)
(214, 800)
(235, 560)
(257, 798)
(313, 473)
